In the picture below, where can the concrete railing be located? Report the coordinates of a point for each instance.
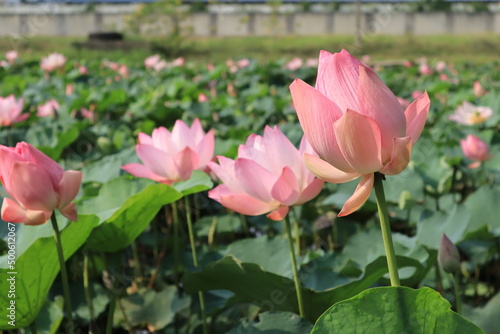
(62, 20)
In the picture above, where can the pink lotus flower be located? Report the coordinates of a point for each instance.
(268, 176)
(448, 256)
(416, 94)
(294, 64)
(83, 70)
(151, 61)
(10, 111)
(425, 69)
(478, 89)
(356, 124)
(69, 89)
(37, 186)
(469, 114)
(53, 62)
(440, 66)
(11, 56)
(48, 109)
(88, 114)
(160, 65)
(4, 63)
(171, 157)
(178, 62)
(311, 62)
(475, 150)
(202, 98)
(243, 63)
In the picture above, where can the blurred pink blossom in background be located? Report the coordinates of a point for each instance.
(48, 109)
(53, 62)
(469, 114)
(10, 110)
(475, 150)
(11, 56)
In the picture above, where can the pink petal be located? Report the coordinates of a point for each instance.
(416, 116)
(400, 157)
(243, 203)
(279, 214)
(162, 140)
(197, 132)
(255, 179)
(338, 76)
(145, 139)
(361, 194)
(317, 114)
(20, 118)
(286, 188)
(31, 187)
(13, 213)
(225, 172)
(186, 161)
(325, 171)
(157, 161)
(30, 153)
(139, 170)
(70, 212)
(378, 103)
(7, 157)
(205, 149)
(69, 187)
(310, 191)
(181, 135)
(358, 137)
(282, 150)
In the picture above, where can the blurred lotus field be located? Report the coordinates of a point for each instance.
(129, 271)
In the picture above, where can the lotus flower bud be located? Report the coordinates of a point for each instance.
(448, 256)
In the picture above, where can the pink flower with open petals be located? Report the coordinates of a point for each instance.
(48, 109)
(151, 61)
(268, 176)
(37, 186)
(169, 157)
(469, 114)
(11, 56)
(10, 110)
(475, 150)
(355, 124)
(53, 62)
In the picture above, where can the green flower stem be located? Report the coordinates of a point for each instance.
(296, 277)
(244, 225)
(64, 274)
(195, 262)
(458, 297)
(111, 313)
(177, 254)
(296, 229)
(86, 286)
(386, 230)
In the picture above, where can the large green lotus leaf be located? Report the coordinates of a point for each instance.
(252, 284)
(483, 208)
(199, 181)
(274, 323)
(109, 167)
(50, 317)
(394, 310)
(37, 266)
(453, 224)
(408, 180)
(486, 317)
(151, 308)
(276, 250)
(125, 208)
(52, 137)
